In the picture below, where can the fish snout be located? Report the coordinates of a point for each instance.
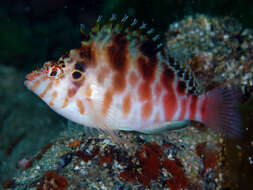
(33, 77)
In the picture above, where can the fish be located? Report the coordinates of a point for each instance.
(123, 78)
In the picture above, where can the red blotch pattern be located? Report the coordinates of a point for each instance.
(107, 102)
(127, 103)
(203, 107)
(169, 99)
(170, 105)
(119, 82)
(144, 92)
(117, 54)
(147, 69)
(183, 109)
(146, 110)
(133, 79)
(193, 107)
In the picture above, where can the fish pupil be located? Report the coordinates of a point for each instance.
(53, 73)
(76, 75)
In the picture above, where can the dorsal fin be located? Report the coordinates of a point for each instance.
(150, 43)
(184, 73)
(133, 28)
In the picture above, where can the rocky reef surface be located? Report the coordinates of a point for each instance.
(196, 158)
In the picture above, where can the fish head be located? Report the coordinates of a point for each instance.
(44, 80)
(61, 84)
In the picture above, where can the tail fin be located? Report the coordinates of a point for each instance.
(222, 111)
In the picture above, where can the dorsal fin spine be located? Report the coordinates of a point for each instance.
(135, 21)
(124, 18)
(113, 17)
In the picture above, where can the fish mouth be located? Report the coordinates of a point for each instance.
(28, 82)
(27, 77)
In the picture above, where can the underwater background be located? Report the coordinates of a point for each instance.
(37, 145)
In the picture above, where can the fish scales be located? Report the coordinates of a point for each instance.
(120, 80)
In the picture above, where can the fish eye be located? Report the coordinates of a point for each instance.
(76, 75)
(55, 72)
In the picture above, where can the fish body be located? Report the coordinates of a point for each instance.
(120, 80)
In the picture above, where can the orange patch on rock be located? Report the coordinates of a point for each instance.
(75, 143)
(107, 102)
(80, 106)
(126, 104)
(146, 110)
(105, 159)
